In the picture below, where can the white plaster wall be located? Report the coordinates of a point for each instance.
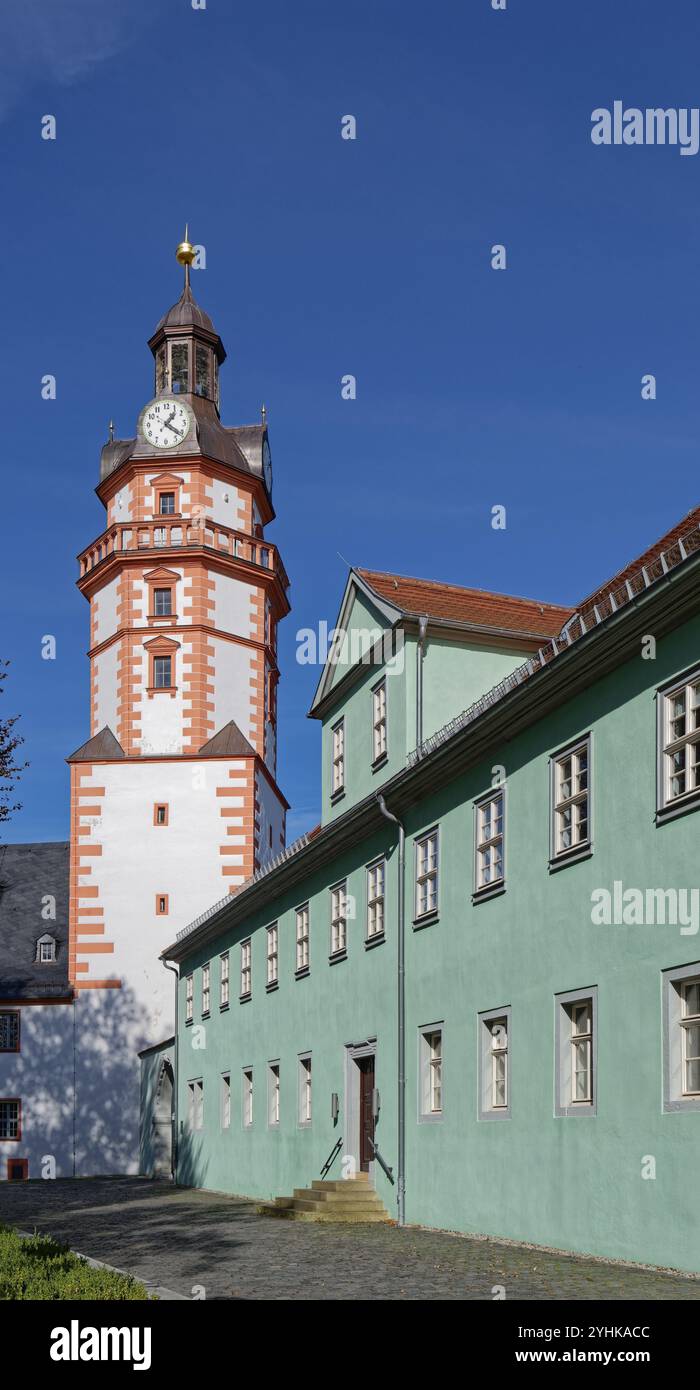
(123, 504)
(149, 500)
(271, 815)
(106, 612)
(41, 1076)
(234, 602)
(228, 505)
(161, 716)
(232, 696)
(106, 667)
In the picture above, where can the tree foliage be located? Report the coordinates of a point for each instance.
(10, 768)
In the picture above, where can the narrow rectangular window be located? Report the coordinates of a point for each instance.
(302, 937)
(338, 918)
(224, 981)
(690, 1028)
(195, 1104)
(338, 758)
(494, 1063)
(10, 1119)
(272, 957)
(571, 806)
(489, 830)
(376, 874)
(576, 1053)
(226, 1101)
(162, 672)
(189, 999)
(245, 969)
(431, 1059)
(305, 1090)
(179, 368)
(9, 1031)
(205, 988)
(680, 742)
(162, 904)
(273, 1094)
(379, 726)
(166, 504)
(427, 874)
(160, 813)
(681, 1036)
(162, 603)
(247, 1097)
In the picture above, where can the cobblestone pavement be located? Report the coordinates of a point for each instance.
(181, 1238)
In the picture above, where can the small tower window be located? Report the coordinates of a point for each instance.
(162, 671)
(179, 368)
(202, 372)
(163, 603)
(160, 370)
(166, 504)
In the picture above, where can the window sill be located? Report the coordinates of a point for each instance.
(302, 972)
(435, 1119)
(570, 856)
(490, 890)
(427, 920)
(162, 617)
(223, 1008)
(574, 1112)
(245, 998)
(379, 763)
(272, 986)
(682, 807)
(377, 940)
(681, 1103)
(336, 956)
(206, 1013)
(189, 1022)
(337, 796)
(487, 1115)
(163, 517)
(152, 690)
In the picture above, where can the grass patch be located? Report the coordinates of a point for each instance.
(37, 1267)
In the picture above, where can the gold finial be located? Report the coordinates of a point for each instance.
(185, 254)
(263, 414)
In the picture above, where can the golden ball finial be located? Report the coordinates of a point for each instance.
(185, 252)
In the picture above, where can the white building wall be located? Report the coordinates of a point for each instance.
(41, 1076)
(106, 675)
(161, 716)
(234, 605)
(234, 676)
(106, 611)
(271, 818)
(228, 506)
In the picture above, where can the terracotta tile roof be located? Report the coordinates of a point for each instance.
(477, 607)
(646, 560)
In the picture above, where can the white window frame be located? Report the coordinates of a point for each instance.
(338, 758)
(272, 957)
(431, 1080)
(569, 1034)
(206, 988)
(339, 917)
(380, 726)
(488, 840)
(195, 1104)
(670, 742)
(273, 1094)
(376, 899)
(495, 1040)
(426, 875)
(578, 796)
(246, 987)
(675, 1026)
(247, 1097)
(224, 982)
(305, 1090)
(226, 1100)
(302, 938)
(189, 998)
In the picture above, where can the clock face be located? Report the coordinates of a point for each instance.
(166, 423)
(267, 466)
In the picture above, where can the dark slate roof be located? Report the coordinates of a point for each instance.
(28, 873)
(228, 743)
(103, 745)
(186, 313)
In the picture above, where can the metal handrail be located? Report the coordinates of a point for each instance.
(381, 1161)
(331, 1157)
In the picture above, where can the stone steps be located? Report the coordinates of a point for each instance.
(330, 1200)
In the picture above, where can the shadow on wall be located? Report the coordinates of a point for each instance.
(109, 1033)
(192, 1165)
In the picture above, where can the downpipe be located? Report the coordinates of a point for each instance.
(401, 1009)
(176, 1068)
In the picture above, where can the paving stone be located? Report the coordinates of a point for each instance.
(186, 1239)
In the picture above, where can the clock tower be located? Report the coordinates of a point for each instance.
(174, 797)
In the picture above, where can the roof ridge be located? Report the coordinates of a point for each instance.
(463, 588)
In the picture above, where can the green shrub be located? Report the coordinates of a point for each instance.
(37, 1267)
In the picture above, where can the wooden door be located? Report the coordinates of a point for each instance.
(366, 1067)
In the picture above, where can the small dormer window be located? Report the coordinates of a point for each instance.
(202, 383)
(46, 950)
(179, 368)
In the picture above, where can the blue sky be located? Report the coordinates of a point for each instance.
(327, 257)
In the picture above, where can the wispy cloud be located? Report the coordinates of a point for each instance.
(63, 40)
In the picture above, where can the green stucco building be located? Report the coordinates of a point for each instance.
(479, 978)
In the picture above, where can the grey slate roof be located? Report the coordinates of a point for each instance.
(28, 873)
